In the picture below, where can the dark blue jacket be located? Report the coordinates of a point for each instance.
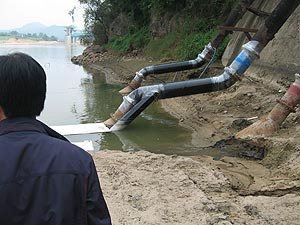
(45, 180)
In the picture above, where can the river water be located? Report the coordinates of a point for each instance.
(76, 96)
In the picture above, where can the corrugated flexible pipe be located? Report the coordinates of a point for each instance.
(272, 122)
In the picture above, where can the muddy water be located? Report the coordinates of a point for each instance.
(154, 130)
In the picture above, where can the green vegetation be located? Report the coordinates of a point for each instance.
(192, 45)
(164, 47)
(135, 40)
(4, 38)
(176, 29)
(186, 42)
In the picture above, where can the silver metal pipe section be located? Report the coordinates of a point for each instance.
(134, 111)
(135, 96)
(131, 100)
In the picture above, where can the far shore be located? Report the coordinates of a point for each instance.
(14, 41)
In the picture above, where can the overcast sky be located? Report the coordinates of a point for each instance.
(16, 13)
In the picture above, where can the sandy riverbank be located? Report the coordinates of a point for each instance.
(149, 189)
(14, 41)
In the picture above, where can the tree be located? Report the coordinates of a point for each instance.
(71, 13)
(97, 17)
(99, 14)
(13, 33)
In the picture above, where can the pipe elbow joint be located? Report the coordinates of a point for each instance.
(206, 53)
(133, 96)
(223, 81)
(149, 90)
(141, 92)
(140, 74)
(145, 71)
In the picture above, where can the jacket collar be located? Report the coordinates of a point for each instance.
(20, 124)
(27, 124)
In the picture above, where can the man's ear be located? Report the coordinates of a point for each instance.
(2, 115)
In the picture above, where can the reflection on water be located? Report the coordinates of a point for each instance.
(153, 130)
(75, 96)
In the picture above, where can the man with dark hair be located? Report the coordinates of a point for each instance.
(44, 179)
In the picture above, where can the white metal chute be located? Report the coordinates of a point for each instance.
(87, 128)
(87, 145)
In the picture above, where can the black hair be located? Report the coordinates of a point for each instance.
(22, 85)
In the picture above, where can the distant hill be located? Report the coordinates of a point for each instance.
(57, 31)
(36, 27)
(31, 28)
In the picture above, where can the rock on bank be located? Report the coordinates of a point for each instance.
(92, 54)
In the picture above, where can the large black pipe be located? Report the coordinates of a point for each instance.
(234, 16)
(231, 74)
(275, 21)
(197, 86)
(171, 67)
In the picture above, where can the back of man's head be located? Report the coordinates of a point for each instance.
(22, 86)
